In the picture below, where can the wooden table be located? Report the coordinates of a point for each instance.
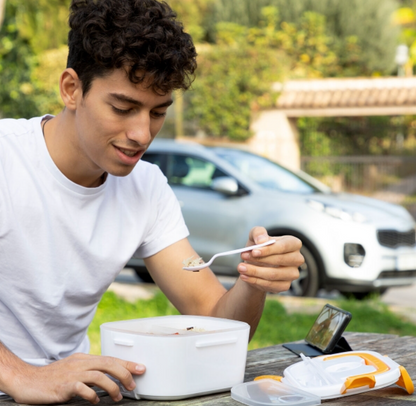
(273, 360)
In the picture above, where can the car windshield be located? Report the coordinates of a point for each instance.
(269, 174)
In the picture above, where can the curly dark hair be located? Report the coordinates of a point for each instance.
(141, 36)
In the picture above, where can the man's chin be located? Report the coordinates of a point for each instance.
(121, 172)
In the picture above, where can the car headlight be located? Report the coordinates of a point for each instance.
(336, 212)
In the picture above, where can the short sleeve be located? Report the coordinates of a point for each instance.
(167, 225)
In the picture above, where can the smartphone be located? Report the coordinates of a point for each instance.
(328, 328)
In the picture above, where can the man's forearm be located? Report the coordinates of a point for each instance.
(9, 365)
(242, 302)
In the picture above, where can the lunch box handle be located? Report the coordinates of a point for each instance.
(203, 344)
(126, 343)
(405, 381)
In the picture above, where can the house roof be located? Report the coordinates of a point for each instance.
(348, 96)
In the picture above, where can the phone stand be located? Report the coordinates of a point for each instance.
(309, 351)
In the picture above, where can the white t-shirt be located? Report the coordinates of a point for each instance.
(62, 244)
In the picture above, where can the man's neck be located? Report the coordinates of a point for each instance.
(61, 141)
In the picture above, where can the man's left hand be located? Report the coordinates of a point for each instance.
(271, 268)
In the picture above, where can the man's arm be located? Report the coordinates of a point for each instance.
(64, 379)
(268, 269)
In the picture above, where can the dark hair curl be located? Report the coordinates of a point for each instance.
(141, 36)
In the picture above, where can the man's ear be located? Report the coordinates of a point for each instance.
(71, 88)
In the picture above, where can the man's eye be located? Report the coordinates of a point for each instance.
(158, 115)
(120, 111)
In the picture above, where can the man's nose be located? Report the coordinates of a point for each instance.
(139, 130)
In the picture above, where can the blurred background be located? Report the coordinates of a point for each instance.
(340, 117)
(322, 86)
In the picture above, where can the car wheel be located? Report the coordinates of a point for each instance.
(308, 282)
(143, 274)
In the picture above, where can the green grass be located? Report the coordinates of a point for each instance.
(276, 325)
(370, 316)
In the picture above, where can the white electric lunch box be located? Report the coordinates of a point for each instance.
(184, 356)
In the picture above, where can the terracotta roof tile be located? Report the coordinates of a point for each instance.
(338, 93)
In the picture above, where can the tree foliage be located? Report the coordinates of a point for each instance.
(235, 75)
(405, 18)
(367, 23)
(244, 46)
(192, 13)
(32, 56)
(341, 136)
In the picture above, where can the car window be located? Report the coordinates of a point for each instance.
(266, 173)
(157, 159)
(191, 171)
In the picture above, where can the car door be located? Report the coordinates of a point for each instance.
(217, 222)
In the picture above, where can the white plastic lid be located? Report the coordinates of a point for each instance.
(271, 392)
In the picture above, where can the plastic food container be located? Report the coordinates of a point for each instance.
(266, 392)
(184, 356)
(307, 382)
(348, 373)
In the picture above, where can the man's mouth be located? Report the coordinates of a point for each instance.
(130, 153)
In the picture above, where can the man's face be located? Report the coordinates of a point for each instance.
(115, 123)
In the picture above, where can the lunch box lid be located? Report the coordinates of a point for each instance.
(347, 373)
(325, 377)
(175, 325)
(265, 392)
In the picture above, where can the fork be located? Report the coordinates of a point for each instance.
(221, 254)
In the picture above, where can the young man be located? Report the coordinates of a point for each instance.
(76, 202)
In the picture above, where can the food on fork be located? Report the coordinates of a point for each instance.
(193, 262)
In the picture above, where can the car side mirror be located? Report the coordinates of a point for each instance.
(225, 184)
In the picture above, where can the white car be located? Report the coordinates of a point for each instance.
(351, 243)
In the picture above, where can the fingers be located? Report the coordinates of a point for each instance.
(73, 376)
(119, 369)
(271, 268)
(136, 369)
(274, 260)
(257, 235)
(284, 252)
(96, 378)
(86, 393)
(90, 370)
(273, 280)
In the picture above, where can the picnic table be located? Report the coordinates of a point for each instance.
(273, 360)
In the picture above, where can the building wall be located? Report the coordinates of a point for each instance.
(275, 137)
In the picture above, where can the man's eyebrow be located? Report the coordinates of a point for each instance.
(124, 98)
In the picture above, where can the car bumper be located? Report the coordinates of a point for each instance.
(386, 279)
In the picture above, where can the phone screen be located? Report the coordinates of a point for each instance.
(328, 328)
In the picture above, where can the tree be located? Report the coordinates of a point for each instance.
(30, 37)
(354, 23)
(235, 75)
(191, 13)
(405, 18)
(256, 42)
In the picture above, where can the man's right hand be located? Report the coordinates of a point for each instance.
(73, 376)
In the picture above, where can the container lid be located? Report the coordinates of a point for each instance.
(271, 392)
(176, 325)
(337, 375)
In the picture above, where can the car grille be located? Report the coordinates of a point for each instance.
(394, 239)
(397, 274)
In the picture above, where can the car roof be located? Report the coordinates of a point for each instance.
(187, 147)
(210, 153)
(193, 148)
(161, 144)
